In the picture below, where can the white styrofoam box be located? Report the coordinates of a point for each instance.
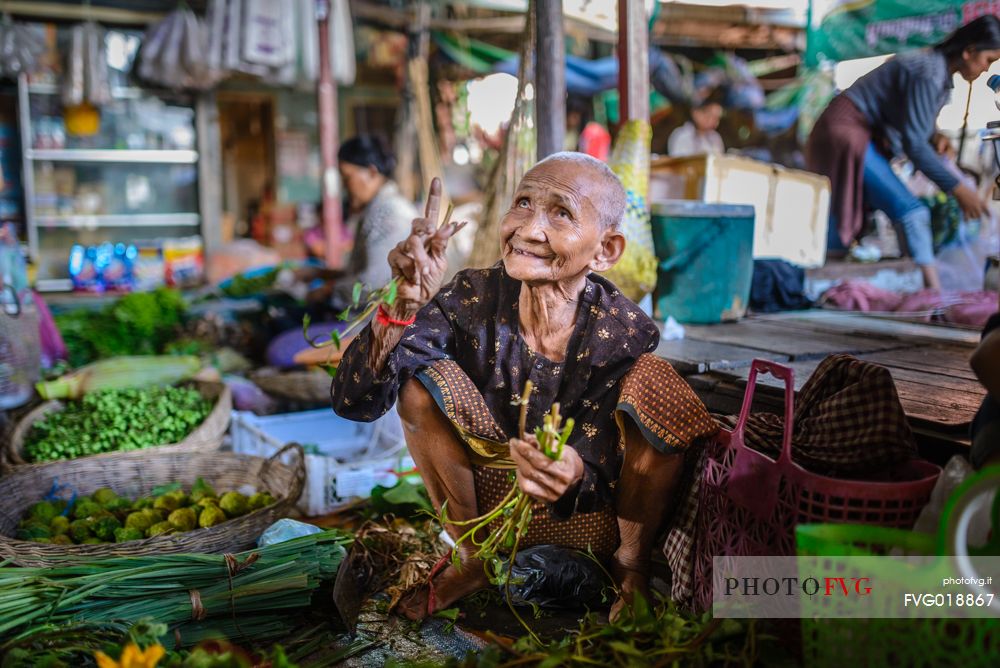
(354, 456)
(792, 207)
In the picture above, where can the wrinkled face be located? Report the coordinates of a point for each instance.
(361, 184)
(552, 231)
(707, 118)
(975, 62)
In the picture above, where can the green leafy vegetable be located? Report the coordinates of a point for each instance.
(112, 420)
(141, 323)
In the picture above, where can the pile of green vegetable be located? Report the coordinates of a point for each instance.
(241, 285)
(141, 323)
(117, 420)
(105, 517)
(646, 635)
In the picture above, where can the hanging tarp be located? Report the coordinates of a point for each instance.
(477, 56)
(848, 29)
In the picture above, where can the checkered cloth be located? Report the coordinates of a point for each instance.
(848, 424)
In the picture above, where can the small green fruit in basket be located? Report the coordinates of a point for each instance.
(210, 516)
(79, 530)
(125, 534)
(183, 519)
(201, 490)
(139, 521)
(206, 501)
(91, 541)
(142, 503)
(59, 525)
(43, 511)
(159, 528)
(61, 539)
(104, 528)
(33, 530)
(104, 496)
(120, 507)
(234, 503)
(182, 498)
(260, 500)
(167, 502)
(84, 509)
(155, 515)
(41, 540)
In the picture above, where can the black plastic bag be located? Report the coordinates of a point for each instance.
(550, 576)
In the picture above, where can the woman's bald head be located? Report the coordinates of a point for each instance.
(603, 187)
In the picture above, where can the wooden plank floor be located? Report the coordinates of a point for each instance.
(929, 364)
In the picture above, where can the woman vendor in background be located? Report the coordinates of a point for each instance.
(892, 111)
(378, 214)
(379, 217)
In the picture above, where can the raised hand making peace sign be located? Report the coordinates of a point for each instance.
(419, 262)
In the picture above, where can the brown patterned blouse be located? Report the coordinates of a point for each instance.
(474, 322)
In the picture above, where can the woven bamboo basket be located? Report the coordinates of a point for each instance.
(206, 437)
(132, 477)
(310, 387)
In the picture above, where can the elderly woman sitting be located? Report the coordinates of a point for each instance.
(458, 357)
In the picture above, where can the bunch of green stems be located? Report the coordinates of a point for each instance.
(514, 511)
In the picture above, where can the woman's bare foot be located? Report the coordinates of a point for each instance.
(450, 585)
(632, 578)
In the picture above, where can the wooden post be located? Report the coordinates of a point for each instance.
(405, 144)
(550, 77)
(633, 61)
(329, 139)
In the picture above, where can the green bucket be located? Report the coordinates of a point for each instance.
(706, 260)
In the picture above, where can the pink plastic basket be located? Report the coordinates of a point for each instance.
(749, 504)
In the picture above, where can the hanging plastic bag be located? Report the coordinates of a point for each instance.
(182, 52)
(97, 89)
(20, 48)
(342, 58)
(267, 25)
(73, 81)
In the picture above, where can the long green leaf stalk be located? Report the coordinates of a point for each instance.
(195, 591)
(384, 295)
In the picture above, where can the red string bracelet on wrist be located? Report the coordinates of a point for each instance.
(382, 317)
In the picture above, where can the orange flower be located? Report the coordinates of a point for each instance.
(132, 657)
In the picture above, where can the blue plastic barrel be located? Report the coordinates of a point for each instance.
(705, 256)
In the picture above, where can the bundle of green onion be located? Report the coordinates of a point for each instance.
(243, 595)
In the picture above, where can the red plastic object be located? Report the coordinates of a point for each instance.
(749, 504)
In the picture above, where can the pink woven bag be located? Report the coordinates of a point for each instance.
(749, 504)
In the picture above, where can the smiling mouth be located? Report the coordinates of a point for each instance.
(518, 251)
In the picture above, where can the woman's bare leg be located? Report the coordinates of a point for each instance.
(645, 494)
(447, 473)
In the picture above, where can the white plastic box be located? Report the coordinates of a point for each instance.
(355, 456)
(792, 206)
